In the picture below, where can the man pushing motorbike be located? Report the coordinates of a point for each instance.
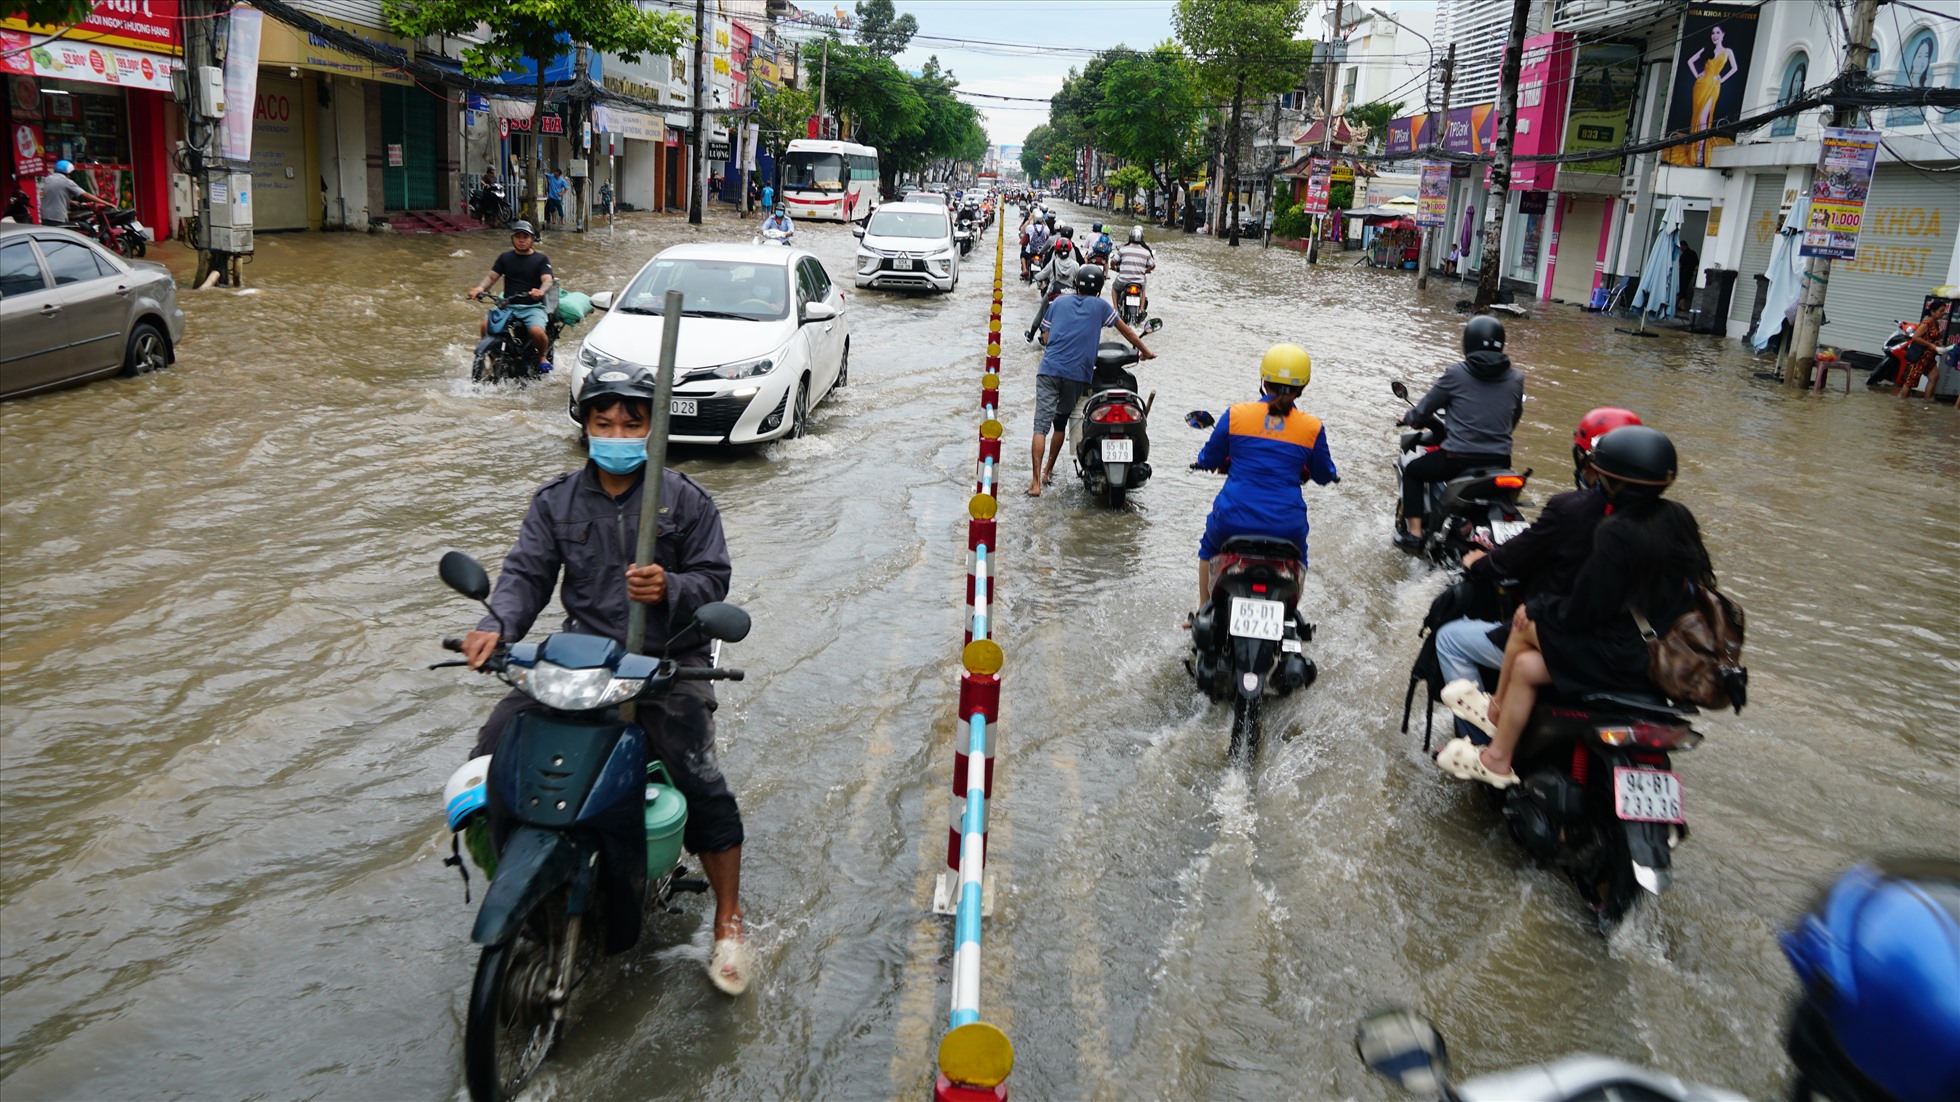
(578, 526)
(525, 272)
(1068, 363)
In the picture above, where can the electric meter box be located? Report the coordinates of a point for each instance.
(229, 229)
(209, 89)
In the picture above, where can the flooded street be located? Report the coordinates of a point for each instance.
(222, 756)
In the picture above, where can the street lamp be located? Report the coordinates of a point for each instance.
(1428, 84)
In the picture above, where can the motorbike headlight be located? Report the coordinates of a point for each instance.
(748, 369)
(571, 690)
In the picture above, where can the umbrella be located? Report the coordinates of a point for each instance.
(1785, 274)
(1660, 280)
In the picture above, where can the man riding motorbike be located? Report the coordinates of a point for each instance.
(1133, 262)
(1267, 449)
(1070, 335)
(1484, 396)
(779, 221)
(578, 525)
(525, 272)
(1543, 559)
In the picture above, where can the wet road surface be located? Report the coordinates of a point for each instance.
(222, 758)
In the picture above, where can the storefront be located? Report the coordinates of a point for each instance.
(1905, 249)
(97, 94)
(312, 125)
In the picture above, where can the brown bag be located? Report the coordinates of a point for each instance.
(1700, 658)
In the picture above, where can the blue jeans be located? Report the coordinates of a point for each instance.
(1464, 651)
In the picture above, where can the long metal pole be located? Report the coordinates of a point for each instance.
(1326, 132)
(656, 468)
(698, 186)
(1488, 275)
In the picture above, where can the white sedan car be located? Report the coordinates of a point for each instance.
(763, 338)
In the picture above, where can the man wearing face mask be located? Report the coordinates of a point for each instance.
(583, 526)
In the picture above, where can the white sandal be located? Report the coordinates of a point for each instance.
(1461, 759)
(729, 965)
(1469, 703)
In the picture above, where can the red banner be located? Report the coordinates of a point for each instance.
(1319, 184)
(133, 24)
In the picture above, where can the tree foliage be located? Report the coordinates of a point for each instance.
(1035, 149)
(1127, 181)
(912, 120)
(1241, 48)
(1149, 113)
(55, 13)
(1375, 117)
(881, 30)
(784, 114)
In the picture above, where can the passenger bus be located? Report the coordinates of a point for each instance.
(830, 181)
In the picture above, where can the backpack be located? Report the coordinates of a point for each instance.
(1699, 660)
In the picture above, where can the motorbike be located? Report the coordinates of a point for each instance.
(505, 353)
(785, 238)
(1134, 308)
(1249, 639)
(490, 204)
(1112, 450)
(18, 208)
(1598, 800)
(1477, 509)
(116, 228)
(965, 229)
(573, 869)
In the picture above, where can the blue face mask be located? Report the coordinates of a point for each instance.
(618, 455)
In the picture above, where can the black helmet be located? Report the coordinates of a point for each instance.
(1635, 456)
(523, 227)
(1051, 219)
(1067, 231)
(622, 380)
(1483, 333)
(1095, 227)
(1089, 279)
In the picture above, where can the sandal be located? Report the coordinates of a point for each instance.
(1461, 759)
(1469, 703)
(729, 966)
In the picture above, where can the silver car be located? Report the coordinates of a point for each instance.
(72, 311)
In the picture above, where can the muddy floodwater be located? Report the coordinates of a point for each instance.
(221, 756)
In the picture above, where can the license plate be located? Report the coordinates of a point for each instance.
(1118, 451)
(684, 407)
(1501, 530)
(1256, 619)
(905, 265)
(1647, 795)
(1133, 300)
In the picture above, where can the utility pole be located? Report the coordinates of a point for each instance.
(823, 84)
(699, 184)
(1326, 129)
(577, 126)
(1499, 192)
(1817, 271)
(1449, 79)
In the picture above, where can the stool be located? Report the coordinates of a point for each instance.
(1825, 364)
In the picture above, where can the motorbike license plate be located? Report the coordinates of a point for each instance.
(1647, 795)
(1256, 619)
(684, 407)
(1501, 530)
(1118, 451)
(1133, 300)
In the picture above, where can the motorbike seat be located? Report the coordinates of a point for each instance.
(1476, 485)
(1115, 355)
(1262, 547)
(1639, 701)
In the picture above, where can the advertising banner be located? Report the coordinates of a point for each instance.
(241, 83)
(1319, 184)
(1837, 199)
(1711, 77)
(1544, 80)
(1471, 129)
(1433, 201)
(1604, 77)
(280, 44)
(102, 64)
(149, 25)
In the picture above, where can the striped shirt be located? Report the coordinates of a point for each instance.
(1133, 261)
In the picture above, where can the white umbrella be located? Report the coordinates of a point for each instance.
(1660, 280)
(1785, 274)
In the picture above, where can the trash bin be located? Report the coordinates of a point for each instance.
(1712, 299)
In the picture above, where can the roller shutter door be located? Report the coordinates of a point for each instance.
(1758, 239)
(410, 118)
(1903, 251)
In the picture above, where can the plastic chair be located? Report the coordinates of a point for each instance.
(1825, 364)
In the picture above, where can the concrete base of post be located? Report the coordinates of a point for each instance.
(946, 893)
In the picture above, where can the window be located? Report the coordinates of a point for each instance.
(807, 171)
(20, 270)
(712, 288)
(1353, 79)
(926, 224)
(1915, 70)
(820, 279)
(1794, 75)
(806, 284)
(72, 262)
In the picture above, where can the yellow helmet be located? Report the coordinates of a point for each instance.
(1287, 365)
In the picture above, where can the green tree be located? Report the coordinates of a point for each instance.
(1127, 181)
(1375, 117)
(1036, 148)
(1149, 114)
(1241, 47)
(785, 115)
(537, 31)
(882, 30)
(55, 13)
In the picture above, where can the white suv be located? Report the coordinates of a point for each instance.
(908, 245)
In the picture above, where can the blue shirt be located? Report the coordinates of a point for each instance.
(554, 187)
(1266, 459)
(1074, 324)
(768, 196)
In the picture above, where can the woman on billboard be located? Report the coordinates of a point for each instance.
(1715, 72)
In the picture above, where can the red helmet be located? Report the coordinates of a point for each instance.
(1592, 426)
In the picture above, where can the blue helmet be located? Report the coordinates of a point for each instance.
(64, 166)
(1879, 959)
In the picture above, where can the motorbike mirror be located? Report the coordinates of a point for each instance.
(1403, 1046)
(1200, 419)
(1152, 326)
(602, 301)
(1400, 388)
(721, 620)
(464, 575)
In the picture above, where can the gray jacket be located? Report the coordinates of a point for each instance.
(1484, 395)
(575, 525)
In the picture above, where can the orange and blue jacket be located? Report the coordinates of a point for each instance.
(1266, 459)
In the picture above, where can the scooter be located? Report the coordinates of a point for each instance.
(117, 229)
(1131, 296)
(1476, 510)
(1112, 449)
(1598, 800)
(505, 353)
(559, 820)
(1249, 639)
(785, 238)
(488, 204)
(964, 230)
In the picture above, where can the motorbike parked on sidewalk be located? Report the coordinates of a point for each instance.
(490, 204)
(559, 817)
(1475, 510)
(116, 228)
(505, 353)
(1112, 450)
(1249, 639)
(1597, 799)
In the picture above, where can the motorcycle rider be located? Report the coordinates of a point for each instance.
(1879, 959)
(1056, 275)
(1484, 395)
(58, 191)
(569, 530)
(1070, 335)
(1267, 449)
(1134, 261)
(1544, 558)
(525, 272)
(778, 220)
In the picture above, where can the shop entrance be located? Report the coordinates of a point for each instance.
(411, 134)
(673, 178)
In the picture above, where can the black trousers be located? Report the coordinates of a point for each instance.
(1439, 466)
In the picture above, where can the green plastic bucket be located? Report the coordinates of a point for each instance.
(666, 816)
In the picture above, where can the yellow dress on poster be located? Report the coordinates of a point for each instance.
(1707, 90)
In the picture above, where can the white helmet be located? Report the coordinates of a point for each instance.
(465, 793)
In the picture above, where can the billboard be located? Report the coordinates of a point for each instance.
(1837, 198)
(1604, 78)
(1711, 77)
(1544, 79)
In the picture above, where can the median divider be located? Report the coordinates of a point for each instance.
(975, 1057)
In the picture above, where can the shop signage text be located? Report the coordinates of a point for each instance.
(552, 125)
(133, 24)
(1837, 198)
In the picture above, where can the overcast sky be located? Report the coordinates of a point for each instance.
(1051, 36)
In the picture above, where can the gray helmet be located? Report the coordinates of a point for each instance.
(1089, 279)
(622, 380)
(1136, 235)
(522, 226)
